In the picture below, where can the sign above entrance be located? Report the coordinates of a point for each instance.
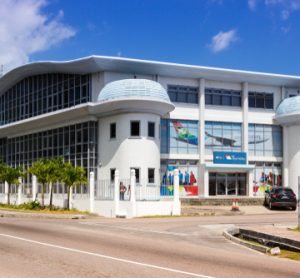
(230, 158)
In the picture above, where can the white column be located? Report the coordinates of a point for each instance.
(49, 195)
(71, 198)
(285, 167)
(250, 183)
(206, 183)
(132, 192)
(117, 192)
(34, 187)
(245, 118)
(201, 127)
(20, 189)
(6, 191)
(176, 203)
(92, 191)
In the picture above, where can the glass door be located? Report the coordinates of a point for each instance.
(221, 184)
(231, 184)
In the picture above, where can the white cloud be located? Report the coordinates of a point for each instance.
(222, 40)
(252, 4)
(25, 30)
(287, 6)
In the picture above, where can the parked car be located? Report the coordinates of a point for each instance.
(283, 197)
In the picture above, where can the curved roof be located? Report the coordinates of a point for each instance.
(133, 88)
(134, 66)
(288, 106)
(288, 111)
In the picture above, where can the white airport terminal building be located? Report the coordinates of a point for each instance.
(227, 132)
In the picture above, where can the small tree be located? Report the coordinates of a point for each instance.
(72, 175)
(40, 169)
(54, 167)
(11, 176)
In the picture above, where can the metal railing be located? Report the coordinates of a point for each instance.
(147, 193)
(104, 190)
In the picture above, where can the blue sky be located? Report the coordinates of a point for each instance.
(258, 35)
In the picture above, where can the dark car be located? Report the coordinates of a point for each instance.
(283, 197)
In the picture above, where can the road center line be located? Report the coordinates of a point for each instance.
(106, 257)
(134, 229)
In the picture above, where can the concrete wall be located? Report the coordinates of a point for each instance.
(127, 152)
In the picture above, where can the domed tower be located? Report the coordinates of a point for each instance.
(288, 115)
(129, 129)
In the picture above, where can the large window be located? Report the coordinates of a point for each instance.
(221, 136)
(185, 94)
(222, 97)
(265, 140)
(266, 174)
(261, 100)
(41, 94)
(179, 136)
(188, 177)
(76, 144)
(151, 175)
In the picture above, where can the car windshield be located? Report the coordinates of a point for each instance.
(287, 191)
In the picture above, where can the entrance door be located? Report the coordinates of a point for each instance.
(231, 184)
(221, 184)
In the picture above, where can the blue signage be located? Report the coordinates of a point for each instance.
(230, 158)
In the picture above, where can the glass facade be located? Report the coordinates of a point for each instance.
(184, 94)
(179, 136)
(41, 94)
(265, 140)
(266, 174)
(75, 143)
(221, 136)
(223, 97)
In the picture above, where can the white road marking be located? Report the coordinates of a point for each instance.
(106, 257)
(134, 229)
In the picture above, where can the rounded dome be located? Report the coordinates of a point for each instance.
(288, 106)
(133, 88)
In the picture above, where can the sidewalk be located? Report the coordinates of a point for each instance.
(189, 210)
(30, 214)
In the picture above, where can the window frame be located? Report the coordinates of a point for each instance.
(111, 131)
(139, 133)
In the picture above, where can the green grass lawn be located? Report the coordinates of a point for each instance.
(35, 207)
(294, 229)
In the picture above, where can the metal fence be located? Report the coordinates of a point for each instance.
(147, 193)
(104, 190)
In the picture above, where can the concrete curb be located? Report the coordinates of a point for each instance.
(12, 214)
(230, 234)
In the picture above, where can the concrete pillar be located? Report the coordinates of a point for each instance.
(34, 187)
(20, 189)
(6, 191)
(250, 183)
(117, 192)
(285, 181)
(176, 203)
(201, 127)
(245, 106)
(132, 192)
(71, 198)
(92, 191)
(206, 183)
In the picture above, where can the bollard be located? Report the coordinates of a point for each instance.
(235, 205)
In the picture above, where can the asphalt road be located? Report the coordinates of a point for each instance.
(165, 247)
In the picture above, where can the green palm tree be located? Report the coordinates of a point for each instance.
(72, 175)
(11, 176)
(40, 169)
